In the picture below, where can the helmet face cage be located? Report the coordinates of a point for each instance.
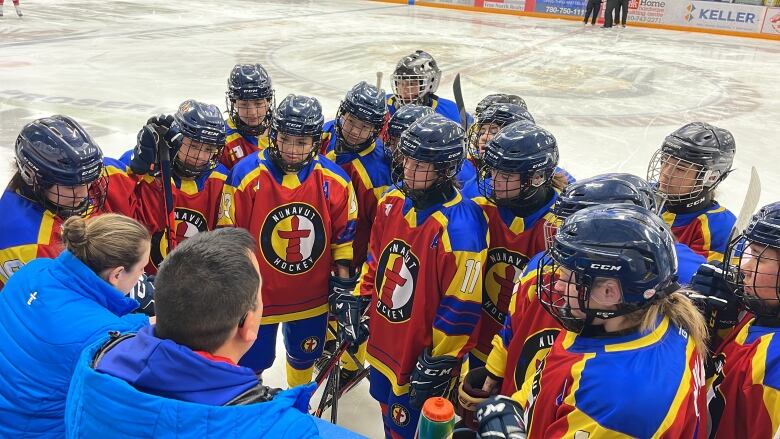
(354, 133)
(510, 189)
(753, 268)
(414, 182)
(292, 152)
(193, 158)
(680, 181)
(260, 109)
(64, 200)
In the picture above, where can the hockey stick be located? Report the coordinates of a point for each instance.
(379, 80)
(456, 90)
(164, 157)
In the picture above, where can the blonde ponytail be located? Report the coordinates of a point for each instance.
(105, 241)
(683, 314)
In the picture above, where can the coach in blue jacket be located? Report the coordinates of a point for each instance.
(51, 309)
(181, 378)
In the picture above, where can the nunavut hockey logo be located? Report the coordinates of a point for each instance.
(188, 223)
(292, 238)
(504, 268)
(396, 280)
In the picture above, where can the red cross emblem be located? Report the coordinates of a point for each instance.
(293, 237)
(393, 279)
(506, 286)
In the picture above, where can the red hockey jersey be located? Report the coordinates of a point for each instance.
(424, 276)
(513, 241)
(706, 231)
(303, 223)
(744, 401)
(196, 207)
(238, 146)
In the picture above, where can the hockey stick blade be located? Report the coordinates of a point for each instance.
(456, 90)
(750, 204)
(379, 80)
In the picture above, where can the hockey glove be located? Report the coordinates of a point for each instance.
(145, 152)
(470, 395)
(716, 297)
(432, 376)
(352, 324)
(338, 286)
(501, 417)
(143, 292)
(167, 127)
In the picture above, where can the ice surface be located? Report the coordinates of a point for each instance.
(609, 96)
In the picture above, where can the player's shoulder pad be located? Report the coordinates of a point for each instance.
(721, 214)
(329, 125)
(330, 168)
(248, 165)
(21, 222)
(467, 226)
(772, 372)
(219, 172)
(392, 192)
(533, 264)
(113, 165)
(125, 157)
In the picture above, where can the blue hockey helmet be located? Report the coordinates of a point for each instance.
(251, 84)
(61, 166)
(489, 122)
(203, 129)
(297, 116)
(613, 188)
(498, 98)
(518, 161)
(691, 163)
(432, 139)
(753, 259)
(622, 242)
(360, 117)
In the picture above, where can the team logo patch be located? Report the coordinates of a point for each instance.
(504, 269)
(534, 349)
(397, 275)
(310, 344)
(188, 222)
(400, 415)
(293, 238)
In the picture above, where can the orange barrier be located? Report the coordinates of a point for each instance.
(570, 18)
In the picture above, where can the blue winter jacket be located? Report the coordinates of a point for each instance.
(50, 311)
(105, 405)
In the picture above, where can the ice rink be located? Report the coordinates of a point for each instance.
(609, 96)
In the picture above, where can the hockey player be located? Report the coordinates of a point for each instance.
(528, 331)
(516, 184)
(351, 141)
(415, 80)
(398, 123)
(687, 168)
(16, 6)
(60, 172)
(745, 398)
(301, 208)
(633, 343)
(250, 104)
(195, 136)
(424, 276)
(489, 122)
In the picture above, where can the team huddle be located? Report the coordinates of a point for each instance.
(451, 252)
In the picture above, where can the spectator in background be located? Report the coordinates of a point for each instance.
(594, 6)
(608, 13)
(621, 9)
